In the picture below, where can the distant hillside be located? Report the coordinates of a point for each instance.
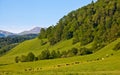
(5, 33)
(9, 42)
(35, 30)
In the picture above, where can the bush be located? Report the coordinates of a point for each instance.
(30, 57)
(53, 55)
(17, 59)
(74, 51)
(52, 41)
(23, 58)
(45, 54)
(85, 51)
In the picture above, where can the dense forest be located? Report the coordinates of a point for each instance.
(7, 43)
(97, 22)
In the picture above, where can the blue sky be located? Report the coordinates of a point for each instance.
(20, 15)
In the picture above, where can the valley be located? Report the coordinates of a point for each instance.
(86, 41)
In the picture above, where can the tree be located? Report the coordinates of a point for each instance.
(30, 57)
(45, 54)
(58, 54)
(52, 41)
(17, 59)
(42, 33)
(74, 50)
(53, 54)
(97, 22)
(85, 51)
(23, 58)
(69, 35)
(117, 46)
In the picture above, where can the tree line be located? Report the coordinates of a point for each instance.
(47, 54)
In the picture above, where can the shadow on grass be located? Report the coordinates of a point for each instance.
(3, 64)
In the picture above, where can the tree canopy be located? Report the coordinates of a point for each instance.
(98, 22)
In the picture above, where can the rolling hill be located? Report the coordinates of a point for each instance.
(93, 28)
(89, 63)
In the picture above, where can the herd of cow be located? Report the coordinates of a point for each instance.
(30, 69)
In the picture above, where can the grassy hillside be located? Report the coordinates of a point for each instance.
(95, 26)
(97, 62)
(36, 47)
(9, 42)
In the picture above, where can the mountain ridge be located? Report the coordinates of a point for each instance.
(35, 30)
(5, 33)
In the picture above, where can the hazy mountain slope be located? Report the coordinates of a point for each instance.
(35, 30)
(5, 33)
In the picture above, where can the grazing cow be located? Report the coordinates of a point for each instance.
(58, 65)
(103, 58)
(77, 62)
(25, 69)
(67, 64)
(98, 59)
(111, 54)
(40, 68)
(28, 69)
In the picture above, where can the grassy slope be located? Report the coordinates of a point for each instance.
(110, 63)
(35, 47)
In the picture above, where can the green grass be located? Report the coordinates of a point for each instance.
(35, 47)
(109, 66)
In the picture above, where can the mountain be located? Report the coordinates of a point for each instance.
(5, 33)
(35, 30)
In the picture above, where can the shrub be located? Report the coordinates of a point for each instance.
(23, 58)
(85, 51)
(53, 55)
(30, 57)
(45, 54)
(17, 59)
